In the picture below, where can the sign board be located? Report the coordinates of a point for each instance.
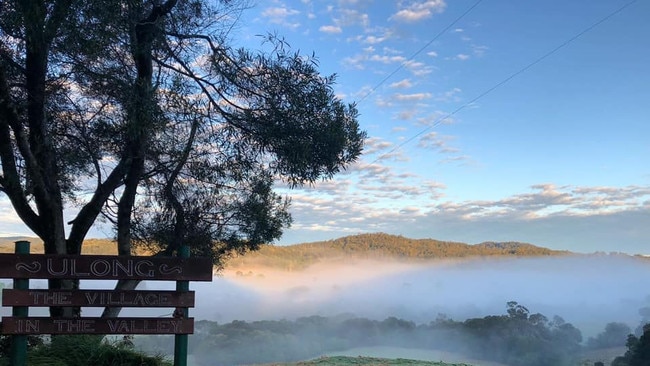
(97, 298)
(105, 267)
(45, 325)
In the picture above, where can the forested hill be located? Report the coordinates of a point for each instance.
(381, 246)
(363, 246)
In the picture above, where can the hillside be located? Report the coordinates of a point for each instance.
(380, 246)
(349, 248)
(91, 246)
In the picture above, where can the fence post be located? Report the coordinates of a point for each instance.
(180, 340)
(19, 342)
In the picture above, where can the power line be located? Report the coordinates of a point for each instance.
(401, 66)
(507, 79)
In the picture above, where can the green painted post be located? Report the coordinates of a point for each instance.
(180, 340)
(19, 342)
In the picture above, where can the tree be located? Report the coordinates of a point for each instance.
(140, 113)
(614, 335)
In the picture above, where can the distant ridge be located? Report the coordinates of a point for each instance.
(348, 248)
(381, 246)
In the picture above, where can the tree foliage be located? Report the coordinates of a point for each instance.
(140, 113)
(512, 339)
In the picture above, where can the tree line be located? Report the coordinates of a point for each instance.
(514, 338)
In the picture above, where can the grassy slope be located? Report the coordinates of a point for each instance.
(366, 361)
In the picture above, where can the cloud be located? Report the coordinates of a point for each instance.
(436, 118)
(419, 10)
(352, 17)
(402, 84)
(619, 228)
(331, 29)
(451, 95)
(406, 114)
(412, 97)
(373, 39)
(387, 59)
(433, 141)
(479, 50)
(461, 57)
(280, 15)
(418, 68)
(375, 144)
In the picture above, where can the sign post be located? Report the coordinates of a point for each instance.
(23, 266)
(180, 340)
(19, 342)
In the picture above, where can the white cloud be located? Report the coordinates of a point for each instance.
(373, 39)
(436, 142)
(332, 29)
(406, 114)
(418, 68)
(436, 117)
(412, 97)
(375, 144)
(528, 217)
(461, 57)
(387, 59)
(280, 15)
(419, 10)
(402, 84)
(352, 17)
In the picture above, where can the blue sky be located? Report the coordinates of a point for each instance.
(556, 156)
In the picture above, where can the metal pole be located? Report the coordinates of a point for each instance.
(180, 340)
(19, 342)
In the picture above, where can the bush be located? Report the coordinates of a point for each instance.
(83, 350)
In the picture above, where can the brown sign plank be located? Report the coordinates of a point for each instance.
(105, 267)
(97, 298)
(44, 325)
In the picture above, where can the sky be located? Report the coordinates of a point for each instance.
(488, 120)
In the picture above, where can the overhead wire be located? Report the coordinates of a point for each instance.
(409, 59)
(505, 80)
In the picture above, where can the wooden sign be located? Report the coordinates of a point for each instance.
(45, 325)
(98, 298)
(105, 267)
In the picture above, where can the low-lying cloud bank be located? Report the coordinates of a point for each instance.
(588, 291)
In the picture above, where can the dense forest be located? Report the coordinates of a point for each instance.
(517, 337)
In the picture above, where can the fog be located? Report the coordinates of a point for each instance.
(588, 291)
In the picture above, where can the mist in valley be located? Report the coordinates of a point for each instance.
(385, 308)
(588, 291)
(329, 308)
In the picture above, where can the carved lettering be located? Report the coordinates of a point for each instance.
(45, 325)
(144, 272)
(104, 267)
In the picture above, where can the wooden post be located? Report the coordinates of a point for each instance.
(19, 342)
(180, 340)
